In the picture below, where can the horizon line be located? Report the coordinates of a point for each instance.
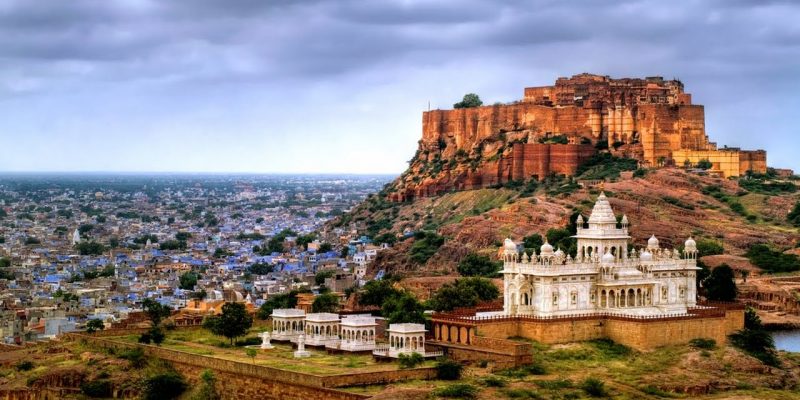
(90, 172)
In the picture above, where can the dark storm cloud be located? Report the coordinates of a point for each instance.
(726, 51)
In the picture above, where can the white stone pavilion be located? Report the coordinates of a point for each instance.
(604, 277)
(321, 328)
(406, 339)
(287, 324)
(358, 333)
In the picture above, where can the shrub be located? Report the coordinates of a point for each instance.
(425, 246)
(758, 343)
(703, 343)
(24, 366)
(458, 390)
(772, 260)
(554, 384)
(640, 173)
(206, 390)
(494, 381)
(410, 360)
(594, 387)
(135, 357)
(520, 393)
(611, 348)
(448, 370)
(97, 388)
(167, 385)
(523, 371)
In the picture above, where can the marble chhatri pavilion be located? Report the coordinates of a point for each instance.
(604, 277)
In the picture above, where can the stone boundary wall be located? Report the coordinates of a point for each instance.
(640, 333)
(264, 373)
(502, 345)
(500, 353)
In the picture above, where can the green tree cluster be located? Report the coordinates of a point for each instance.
(478, 265)
(464, 292)
(325, 303)
(425, 246)
(232, 322)
(772, 260)
(188, 280)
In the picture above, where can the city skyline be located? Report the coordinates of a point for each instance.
(314, 87)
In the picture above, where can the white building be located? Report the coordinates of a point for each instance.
(287, 323)
(358, 333)
(603, 278)
(321, 328)
(405, 339)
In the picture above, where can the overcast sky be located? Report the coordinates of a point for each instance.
(340, 86)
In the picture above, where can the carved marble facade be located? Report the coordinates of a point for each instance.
(604, 277)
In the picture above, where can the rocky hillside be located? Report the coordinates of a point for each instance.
(669, 203)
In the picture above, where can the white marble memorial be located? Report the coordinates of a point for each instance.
(265, 338)
(301, 347)
(287, 324)
(604, 277)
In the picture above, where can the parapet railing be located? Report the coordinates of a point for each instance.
(475, 320)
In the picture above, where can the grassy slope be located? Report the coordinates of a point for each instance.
(669, 203)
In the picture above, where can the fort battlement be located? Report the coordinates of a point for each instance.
(554, 129)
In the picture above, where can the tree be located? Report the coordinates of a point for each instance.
(234, 321)
(155, 311)
(260, 268)
(751, 319)
(465, 292)
(704, 164)
(219, 252)
(5, 262)
(326, 302)
(207, 389)
(388, 238)
(478, 265)
(304, 240)
(90, 248)
(375, 293)
(794, 216)
(403, 308)
(326, 247)
(708, 247)
(283, 300)
(448, 370)
(163, 386)
(94, 325)
(533, 242)
(199, 294)
(720, 285)
(252, 353)
(470, 100)
(319, 278)
(188, 280)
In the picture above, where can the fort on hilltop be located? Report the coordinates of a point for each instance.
(554, 129)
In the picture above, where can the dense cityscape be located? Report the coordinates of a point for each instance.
(83, 247)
